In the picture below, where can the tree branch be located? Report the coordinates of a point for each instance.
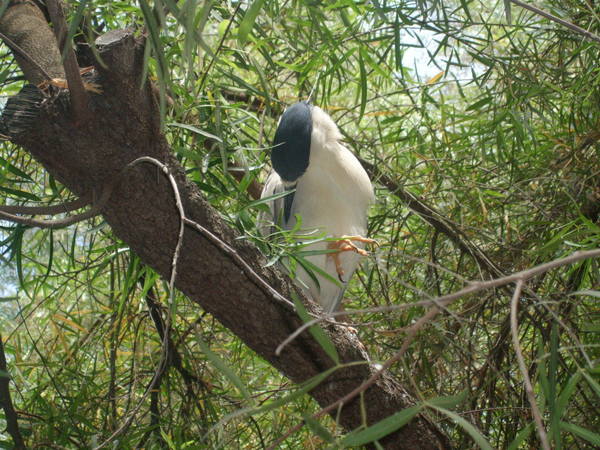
(577, 29)
(12, 424)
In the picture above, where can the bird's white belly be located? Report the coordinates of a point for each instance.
(328, 210)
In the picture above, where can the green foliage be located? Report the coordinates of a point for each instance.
(488, 112)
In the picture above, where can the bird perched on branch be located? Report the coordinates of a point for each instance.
(328, 192)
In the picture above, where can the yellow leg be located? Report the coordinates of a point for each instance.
(345, 244)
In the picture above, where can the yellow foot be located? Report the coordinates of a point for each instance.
(345, 244)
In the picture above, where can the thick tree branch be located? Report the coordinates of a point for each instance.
(85, 157)
(28, 32)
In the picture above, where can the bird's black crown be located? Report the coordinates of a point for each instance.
(291, 147)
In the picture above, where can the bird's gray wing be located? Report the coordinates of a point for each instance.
(280, 208)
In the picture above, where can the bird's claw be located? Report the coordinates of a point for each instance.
(345, 244)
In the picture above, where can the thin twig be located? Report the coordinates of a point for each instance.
(219, 46)
(589, 35)
(78, 95)
(445, 300)
(514, 328)
(59, 223)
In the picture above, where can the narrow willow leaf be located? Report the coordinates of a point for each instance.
(587, 292)
(382, 428)
(268, 199)
(306, 387)
(563, 399)
(508, 12)
(3, 6)
(397, 44)
(521, 437)
(248, 21)
(465, 6)
(316, 331)
(312, 270)
(73, 25)
(22, 194)
(363, 84)
(317, 428)
(593, 383)
(13, 169)
(448, 402)
(195, 130)
(162, 65)
(467, 426)
(222, 367)
(583, 433)
(435, 78)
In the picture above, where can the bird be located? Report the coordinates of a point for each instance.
(328, 195)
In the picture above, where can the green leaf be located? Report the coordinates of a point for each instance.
(508, 12)
(449, 401)
(486, 101)
(521, 436)
(317, 428)
(563, 399)
(363, 84)
(74, 22)
(467, 426)
(593, 383)
(587, 292)
(195, 130)
(222, 367)
(270, 198)
(248, 21)
(588, 435)
(316, 331)
(21, 194)
(13, 169)
(306, 387)
(382, 428)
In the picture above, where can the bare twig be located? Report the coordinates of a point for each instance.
(411, 332)
(587, 34)
(78, 95)
(514, 328)
(219, 46)
(12, 424)
(59, 223)
(443, 301)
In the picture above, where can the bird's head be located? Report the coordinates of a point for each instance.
(291, 147)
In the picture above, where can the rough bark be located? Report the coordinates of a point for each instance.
(88, 156)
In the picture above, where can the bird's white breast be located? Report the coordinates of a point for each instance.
(332, 198)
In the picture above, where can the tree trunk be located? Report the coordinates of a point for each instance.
(86, 156)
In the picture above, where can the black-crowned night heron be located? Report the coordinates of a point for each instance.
(330, 192)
